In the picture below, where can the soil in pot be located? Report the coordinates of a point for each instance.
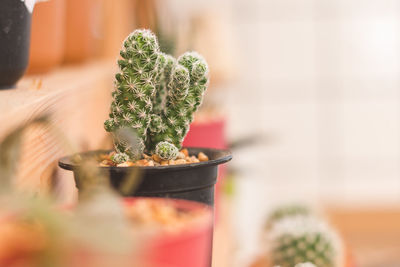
(181, 231)
(105, 160)
(194, 181)
(15, 31)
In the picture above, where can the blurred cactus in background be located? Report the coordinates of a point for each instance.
(287, 211)
(298, 239)
(155, 95)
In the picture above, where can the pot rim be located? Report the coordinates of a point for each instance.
(222, 156)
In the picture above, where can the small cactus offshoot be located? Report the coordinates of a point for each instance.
(119, 158)
(166, 151)
(155, 95)
(300, 239)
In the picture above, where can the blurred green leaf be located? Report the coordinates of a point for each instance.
(10, 149)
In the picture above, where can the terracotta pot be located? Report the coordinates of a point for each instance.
(350, 261)
(80, 26)
(48, 34)
(191, 246)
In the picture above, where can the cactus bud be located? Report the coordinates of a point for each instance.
(166, 151)
(119, 158)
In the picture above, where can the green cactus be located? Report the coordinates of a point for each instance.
(166, 151)
(186, 86)
(119, 157)
(155, 95)
(287, 211)
(300, 239)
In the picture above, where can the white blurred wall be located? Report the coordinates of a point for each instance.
(321, 79)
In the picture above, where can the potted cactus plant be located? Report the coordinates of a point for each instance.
(155, 97)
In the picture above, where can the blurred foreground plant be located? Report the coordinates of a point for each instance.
(33, 232)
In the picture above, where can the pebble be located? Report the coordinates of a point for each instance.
(180, 161)
(193, 159)
(146, 156)
(124, 164)
(142, 162)
(185, 152)
(181, 155)
(156, 158)
(202, 157)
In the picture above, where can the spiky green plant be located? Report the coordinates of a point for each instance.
(42, 234)
(300, 239)
(287, 211)
(155, 95)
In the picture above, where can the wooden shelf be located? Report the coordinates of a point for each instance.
(372, 234)
(77, 99)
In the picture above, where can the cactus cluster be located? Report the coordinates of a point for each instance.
(155, 95)
(302, 240)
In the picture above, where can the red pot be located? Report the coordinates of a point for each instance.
(209, 134)
(191, 246)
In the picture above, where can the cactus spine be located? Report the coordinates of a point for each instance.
(186, 86)
(155, 95)
(299, 239)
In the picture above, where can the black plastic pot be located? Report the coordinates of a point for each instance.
(15, 32)
(193, 181)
